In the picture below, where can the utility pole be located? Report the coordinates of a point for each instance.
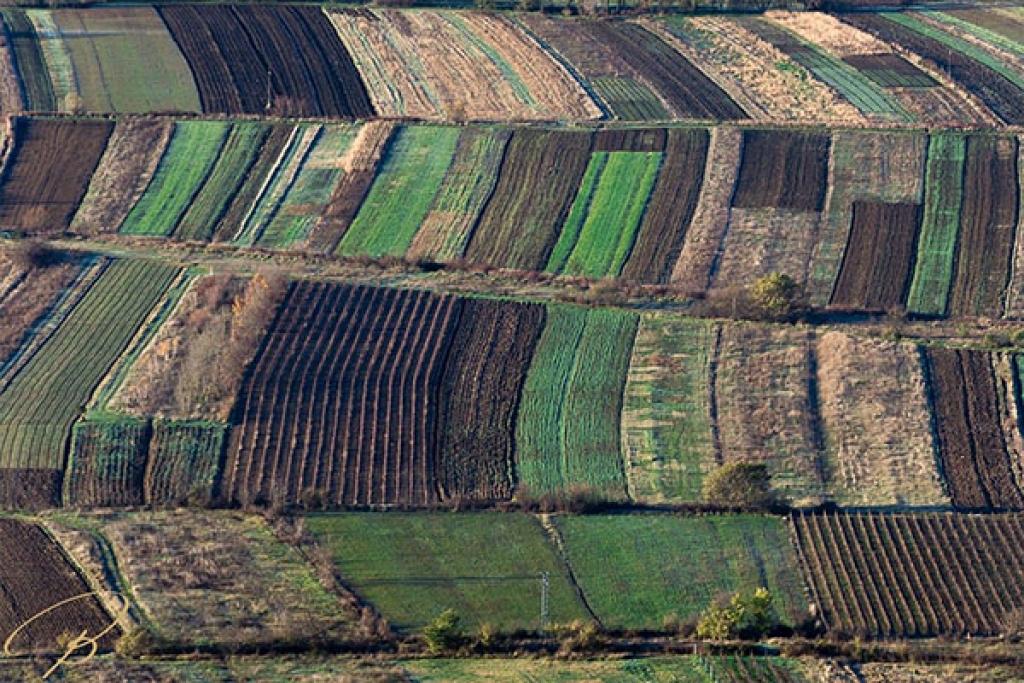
(545, 583)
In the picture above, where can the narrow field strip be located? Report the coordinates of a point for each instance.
(940, 226)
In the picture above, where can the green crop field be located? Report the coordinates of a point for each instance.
(568, 429)
(185, 166)
(236, 158)
(636, 570)
(466, 188)
(629, 99)
(306, 198)
(126, 61)
(42, 402)
(403, 192)
(485, 566)
(599, 233)
(936, 248)
(666, 417)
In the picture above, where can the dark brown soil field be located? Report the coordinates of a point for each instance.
(1004, 98)
(49, 171)
(690, 93)
(29, 489)
(879, 258)
(987, 224)
(972, 449)
(34, 576)
(631, 140)
(781, 169)
(29, 302)
(536, 187)
(901, 575)
(480, 392)
(340, 407)
(231, 49)
(670, 209)
(890, 71)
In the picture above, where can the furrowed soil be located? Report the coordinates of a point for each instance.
(48, 172)
(879, 260)
(988, 221)
(973, 452)
(36, 575)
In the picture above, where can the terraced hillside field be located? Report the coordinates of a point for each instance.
(896, 575)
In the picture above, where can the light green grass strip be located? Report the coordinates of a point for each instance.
(999, 40)
(485, 566)
(570, 234)
(676, 669)
(936, 247)
(184, 167)
(635, 570)
(958, 45)
(567, 435)
(55, 52)
(240, 151)
(613, 216)
(539, 425)
(591, 442)
(403, 192)
(666, 410)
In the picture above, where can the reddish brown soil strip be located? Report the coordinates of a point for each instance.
(48, 172)
(29, 489)
(483, 381)
(988, 220)
(687, 90)
(692, 271)
(879, 259)
(1004, 98)
(782, 169)
(972, 451)
(765, 407)
(360, 168)
(231, 49)
(124, 171)
(36, 575)
(29, 302)
(634, 139)
(11, 98)
(536, 187)
(340, 407)
(670, 209)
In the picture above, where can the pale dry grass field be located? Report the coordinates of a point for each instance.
(879, 448)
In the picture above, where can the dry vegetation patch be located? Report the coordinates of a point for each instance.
(222, 577)
(830, 33)
(879, 448)
(124, 171)
(193, 367)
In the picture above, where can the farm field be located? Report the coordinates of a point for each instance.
(219, 577)
(40, 403)
(930, 225)
(879, 574)
(636, 570)
(486, 566)
(36, 575)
